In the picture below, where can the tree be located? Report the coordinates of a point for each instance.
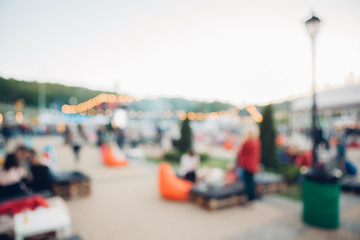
(267, 137)
(185, 141)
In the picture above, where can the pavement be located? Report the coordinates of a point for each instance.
(125, 204)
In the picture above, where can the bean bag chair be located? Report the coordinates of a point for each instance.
(228, 144)
(171, 187)
(110, 159)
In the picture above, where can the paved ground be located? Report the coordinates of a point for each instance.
(125, 204)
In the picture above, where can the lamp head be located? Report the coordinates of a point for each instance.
(312, 26)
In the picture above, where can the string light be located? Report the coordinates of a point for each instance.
(19, 117)
(256, 116)
(99, 99)
(108, 113)
(91, 112)
(87, 107)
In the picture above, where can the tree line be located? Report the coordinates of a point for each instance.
(12, 90)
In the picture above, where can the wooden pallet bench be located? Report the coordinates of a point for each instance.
(268, 183)
(70, 185)
(350, 185)
(219, 197)
(222, 197)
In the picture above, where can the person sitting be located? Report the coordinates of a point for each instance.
(42, 180)
(21, 153)
(189, 162)
(11, 178)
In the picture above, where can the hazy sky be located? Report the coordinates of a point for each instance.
(239, 51)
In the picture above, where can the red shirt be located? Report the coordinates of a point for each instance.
(249, 155)
(304, 159)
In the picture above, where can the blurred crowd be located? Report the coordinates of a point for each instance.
(23, 173)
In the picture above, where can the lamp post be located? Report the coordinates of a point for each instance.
(312, 26)
(321, 187)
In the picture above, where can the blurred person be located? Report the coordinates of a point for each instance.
(134, 137)
(120, 137)
(76, 141)
(344, 164)
(6, 132)
(189, 162)
(41, 174)
(48, 157)
(21, 153)
(82, 133)
(341, 154)
(158, 136)
(67, 134)
(11, 178)
(319, 138)
(248, 158)
(100, 135)
(304, 158)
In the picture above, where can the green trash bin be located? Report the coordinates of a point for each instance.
(321, 194)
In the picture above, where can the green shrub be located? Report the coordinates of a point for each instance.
(291, 173)
(204, 157)
(269, 157)
(173, 156)
(186, 140)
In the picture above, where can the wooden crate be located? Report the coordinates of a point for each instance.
(70, 187)
(73, 189)
(44, 236)
(351, 187)
(215, 204)
(269, 188)
(219, 197)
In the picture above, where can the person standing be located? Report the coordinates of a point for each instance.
(120, 137)
(77, 140)
(6, 132)
(100, 135)
(248, 158)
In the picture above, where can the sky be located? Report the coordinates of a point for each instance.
(242, 52)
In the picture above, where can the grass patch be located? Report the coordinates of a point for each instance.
(292, 191)
(158, 160)
(210, 162)
(215, 163)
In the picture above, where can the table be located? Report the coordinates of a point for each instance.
(41, 220)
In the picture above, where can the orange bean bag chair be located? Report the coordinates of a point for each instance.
(171, 187)
(228, 145)
(110, 159)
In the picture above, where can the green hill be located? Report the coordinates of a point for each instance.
(11, 90)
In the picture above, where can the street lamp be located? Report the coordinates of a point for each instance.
(312, 26)
(320, 187)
